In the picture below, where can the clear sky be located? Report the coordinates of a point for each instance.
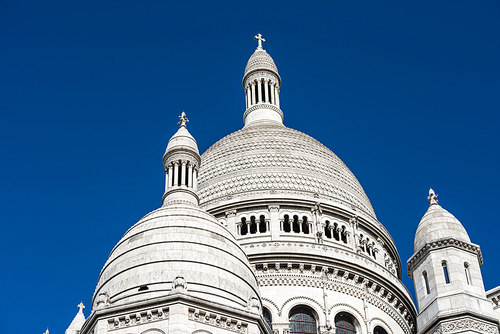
(406, 93)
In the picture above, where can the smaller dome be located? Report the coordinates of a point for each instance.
(183, 140)
(177, 240)
(260, 60)
(437, 223)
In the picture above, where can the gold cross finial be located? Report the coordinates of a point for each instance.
(260, 40)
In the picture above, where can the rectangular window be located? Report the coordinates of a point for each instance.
(467, 273)
(426, 280)
(445, 271)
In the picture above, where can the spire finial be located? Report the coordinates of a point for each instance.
(260, 40)
(183, 120)
(432, 197)
(81, 307)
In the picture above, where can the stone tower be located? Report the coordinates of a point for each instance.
(323, 261)
(445, 269)
(177, 270)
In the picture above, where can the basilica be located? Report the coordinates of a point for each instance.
(269, 232)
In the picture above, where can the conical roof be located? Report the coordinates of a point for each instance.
(437, 223)
(260, 60)
(182, 139)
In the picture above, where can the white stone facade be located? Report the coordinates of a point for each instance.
(268, 225)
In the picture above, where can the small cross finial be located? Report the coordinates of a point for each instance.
(260, 40)
(183, 120)
(432, 197)
(81, 307)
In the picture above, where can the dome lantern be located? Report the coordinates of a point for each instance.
(181, 161)
(261, 83)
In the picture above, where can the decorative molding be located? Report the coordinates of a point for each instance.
(142, 317)
(349, 307)
(374, 320)
(394, 307)
(465, 324)
(439, 244)
(300, 297)
(217, 320)
(272, 303)
(263, 106)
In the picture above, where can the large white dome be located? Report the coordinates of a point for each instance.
(271, 160)
(177, 240)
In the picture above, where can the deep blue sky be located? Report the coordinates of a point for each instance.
(407, 94)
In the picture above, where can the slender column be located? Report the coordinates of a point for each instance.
(272, 92)
(277, 97)
(266, 90)
(249, 96)
(167, 177)
(170, 171)
(176, 173)
(300, 224)
(195, 178)
(259, 90)
(183, 174)
(253, 92)
(190, 175)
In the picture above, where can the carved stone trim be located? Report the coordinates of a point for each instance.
(442, 243)
(395, 308)
(142, 317)
(263, 106)
(465, 324)
(217, 320)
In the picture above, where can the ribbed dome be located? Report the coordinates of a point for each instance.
(274, 161)
(438, 223)
(182, 139)
(260, 60)
(178, 240)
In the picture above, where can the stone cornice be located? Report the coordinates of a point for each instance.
(439, 244)
(467, 323)
(263, 106)
(153, 306)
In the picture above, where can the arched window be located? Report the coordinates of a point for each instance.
(379, 330)
(296, 226)
(467, 273)
(244, 227)
(302, 321)
(328, 231)
(286, 224)
(426, 282)
(445, 271)
(253, 225)
(305, 225)
(262, 225)
(336, 232)
(344, 324)
(344, 234)
(267, 317)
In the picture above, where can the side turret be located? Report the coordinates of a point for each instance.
(181, 161)
(446, 273)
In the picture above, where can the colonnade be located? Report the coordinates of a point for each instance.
(181, 173)
(262, 90)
